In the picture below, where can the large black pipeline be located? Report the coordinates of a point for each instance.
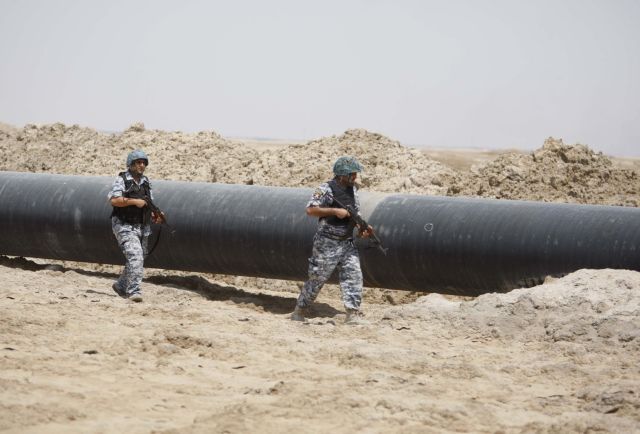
(436, 244)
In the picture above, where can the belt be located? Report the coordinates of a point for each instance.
(337, 238)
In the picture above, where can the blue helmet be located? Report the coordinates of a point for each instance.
(345, 166)
(136, 155)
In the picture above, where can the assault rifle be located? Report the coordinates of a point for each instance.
(362, 223)
(159, 214)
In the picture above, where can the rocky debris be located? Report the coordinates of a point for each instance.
(7, 131)
(388, 166)
(584, 307)
(136, 127)
(207, 156)
(57, 148)
(554, 173)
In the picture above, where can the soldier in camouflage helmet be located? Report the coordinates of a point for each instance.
(130, 222)
(333, 245)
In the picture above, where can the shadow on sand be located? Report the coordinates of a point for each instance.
(198, 284)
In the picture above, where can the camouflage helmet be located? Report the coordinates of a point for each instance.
(344, 166)
(136, 155)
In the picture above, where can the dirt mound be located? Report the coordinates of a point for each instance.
(554, 173)
(58, 148)
(7, 131)
(207, 156)
(389, 166)
(590, 307)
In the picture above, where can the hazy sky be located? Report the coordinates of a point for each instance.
(487, 74)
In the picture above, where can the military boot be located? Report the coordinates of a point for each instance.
(119, 290)
(355, 317)
(299, 313)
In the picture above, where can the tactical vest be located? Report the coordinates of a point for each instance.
(346, 196)
(132, 214)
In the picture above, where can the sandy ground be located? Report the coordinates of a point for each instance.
(209, 353)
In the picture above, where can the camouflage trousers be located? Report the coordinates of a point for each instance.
(327, 255)
(133, 241)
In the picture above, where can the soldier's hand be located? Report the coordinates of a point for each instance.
(158, 217)
(341, 213)
(366, 233)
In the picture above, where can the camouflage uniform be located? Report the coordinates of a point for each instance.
(332, 248)
(133, 241)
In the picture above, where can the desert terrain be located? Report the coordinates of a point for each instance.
(215, 353)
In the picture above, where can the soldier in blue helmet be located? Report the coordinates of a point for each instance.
(131, 222)
(333, 246)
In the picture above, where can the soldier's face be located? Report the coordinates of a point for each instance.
(351, 179)
(137, 167)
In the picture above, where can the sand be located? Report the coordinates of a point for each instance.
(211, 353)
